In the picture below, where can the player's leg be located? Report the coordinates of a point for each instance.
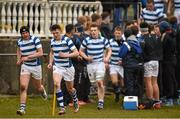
(24, 82)
(154, 80)
(147, 79)
(37, 78)
(120, 71)
(149, 88)
(101, 93)
(69, 78)
(73, 93)
(38, 85)
(156, 95)
(100, 73)
(57, 77)
(115, 84)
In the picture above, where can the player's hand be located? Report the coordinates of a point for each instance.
(19, 62)
(64, 55)
(89, 59)
(120, 62)
(24, 59)
(79, 58)
(49, 66)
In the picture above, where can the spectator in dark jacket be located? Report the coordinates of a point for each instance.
(151, 47)
(169, 63)
(176, 30)
(120, 8)
(96, 19)
(81, 79)
(105, 26)
(132, 62)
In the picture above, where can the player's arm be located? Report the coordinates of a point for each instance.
(108, 51)
(141, 18)
(169, 6)
(39, 53)
(82, 54)
(108, 55)
(72, 54)
(18, 53)
(51, 59)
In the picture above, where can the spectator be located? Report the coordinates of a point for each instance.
(120, 8)
(176, 30)
(127, 32)
(151, 47)
(150, 14)
(135, 9)
(160, 4)
(157, 31)
(160, 54)
(82, 21)
(169, 63)
(96, 19)
(81, 81)
(131, 54)
(107, 5)
(144, 3)
(87, 29)
(105, 26)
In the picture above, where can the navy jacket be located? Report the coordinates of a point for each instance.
(131, 52)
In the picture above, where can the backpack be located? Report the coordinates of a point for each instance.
(146, 103)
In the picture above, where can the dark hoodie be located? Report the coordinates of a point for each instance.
(168, 39)
(169, 47)
(152, 48)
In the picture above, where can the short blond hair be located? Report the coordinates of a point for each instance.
(82, 19)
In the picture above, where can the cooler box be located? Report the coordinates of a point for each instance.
(130, 103)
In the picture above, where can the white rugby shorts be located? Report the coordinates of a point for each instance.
(35, 71)
(96, 71)
(151, 68)
(116, 69)
(66, 73)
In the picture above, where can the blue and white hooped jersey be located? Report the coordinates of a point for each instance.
(115, 52)
(28, 47)
(151, 17)
(177, 4)
(159, 4)
(64, 45)
(95, 48)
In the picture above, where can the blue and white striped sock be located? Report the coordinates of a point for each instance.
(59, 96)
(22, 106)
(74, 96)
(101, 102)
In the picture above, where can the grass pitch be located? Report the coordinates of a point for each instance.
(38, 108)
